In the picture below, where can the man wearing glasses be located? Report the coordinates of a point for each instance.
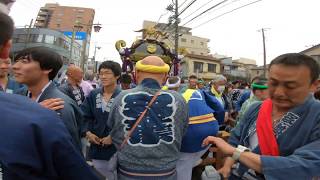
(96, 108)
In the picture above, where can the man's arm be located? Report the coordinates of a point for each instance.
(214, 104)
(251, 160)
(58, 150)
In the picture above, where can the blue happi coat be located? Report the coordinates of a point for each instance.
(35, 145)
(155, 144)
(298, 137)
(96, 113)
(205, 112)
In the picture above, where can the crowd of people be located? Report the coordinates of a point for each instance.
(152, 126)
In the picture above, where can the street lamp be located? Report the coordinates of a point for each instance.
(78, 25)
(94, 58)
(75, 29)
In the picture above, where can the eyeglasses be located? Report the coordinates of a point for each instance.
(105, 74)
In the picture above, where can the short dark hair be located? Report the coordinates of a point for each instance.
(125, 78)
(113, 66)
(47, 59)
(256, 78)
(173, 80)
(298, 59)
(193, 77)
(6, 28)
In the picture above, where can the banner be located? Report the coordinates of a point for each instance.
(78, 35)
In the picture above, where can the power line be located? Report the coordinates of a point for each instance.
(198, 9)
(187, 7)
(205, 11)
(182, 3)
(226, 13)
(220, 7)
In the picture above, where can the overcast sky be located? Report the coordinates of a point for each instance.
(293, 25)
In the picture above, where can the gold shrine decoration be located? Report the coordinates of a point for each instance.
(152, 33)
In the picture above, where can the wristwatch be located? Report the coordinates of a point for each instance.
(240, 149)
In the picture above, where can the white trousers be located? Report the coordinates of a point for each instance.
(186, 163)
(106, 168)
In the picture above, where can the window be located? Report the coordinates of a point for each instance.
(201, 43)
(212, 68)
(21, 38)
(192, 41)
(49, 39)
(257, 72)
(36, 38)
(183, 40)
(197, 67)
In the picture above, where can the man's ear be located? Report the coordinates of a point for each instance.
(47, 72)
(5, 50)
(315, 85)
(164, 78)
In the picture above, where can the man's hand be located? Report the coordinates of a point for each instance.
(92, 138)
(106, 141)
(53, 104)
(226, 117)
(220, 143)
(226, 169)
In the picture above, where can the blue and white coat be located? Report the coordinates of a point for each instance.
(155, 144)
(298, 137)
(96, 111)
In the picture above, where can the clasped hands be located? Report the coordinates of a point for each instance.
(94, 139)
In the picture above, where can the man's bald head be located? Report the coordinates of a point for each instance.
(153, 60)
(152, 67)
(73, 68)
(75, 74)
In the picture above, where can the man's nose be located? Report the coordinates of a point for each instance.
(279, 91)
(16, 66)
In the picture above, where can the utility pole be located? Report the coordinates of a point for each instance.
(264, 53)
(71, 44)
(28, 34)
(95, 64)
(176, 39)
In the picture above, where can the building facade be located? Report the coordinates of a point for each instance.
(74, 22)
(204, 67)
(258, 71)
(313, 52)
(63, 18)
(55, 40)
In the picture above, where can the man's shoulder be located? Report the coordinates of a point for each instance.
(54, 92)
(96, 91)
(22, 109)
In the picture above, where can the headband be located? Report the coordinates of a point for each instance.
(175, 85)
(152, 68)
(253, 85)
